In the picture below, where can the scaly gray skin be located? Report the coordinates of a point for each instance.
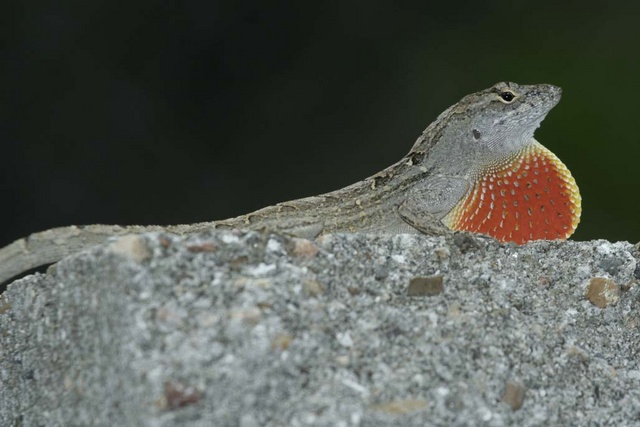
(411, 196)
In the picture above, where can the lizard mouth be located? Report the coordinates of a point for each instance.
(538, 121)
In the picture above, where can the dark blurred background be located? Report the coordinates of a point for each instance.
(176, 112)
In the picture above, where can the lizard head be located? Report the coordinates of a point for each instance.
(518, 190)
(488, 125)
(502, 119)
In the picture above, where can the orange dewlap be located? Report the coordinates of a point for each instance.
(530, 196)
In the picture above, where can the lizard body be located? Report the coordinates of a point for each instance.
(477, 167)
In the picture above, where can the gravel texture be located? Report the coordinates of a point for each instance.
(234, 328)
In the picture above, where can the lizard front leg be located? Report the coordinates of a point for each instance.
(425, 204)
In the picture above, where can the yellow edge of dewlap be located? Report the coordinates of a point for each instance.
(572, 186)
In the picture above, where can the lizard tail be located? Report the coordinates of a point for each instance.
(52, 245)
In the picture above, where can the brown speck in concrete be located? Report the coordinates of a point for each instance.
(203, 247)
(4, 304)
(442, 253)
(602, 292)
(425, 286)
(304, 248)
(131, 246)
(399, 407)
(178, 395)
(281, 342)
(514, 393)
(313, 288)
(545, 281)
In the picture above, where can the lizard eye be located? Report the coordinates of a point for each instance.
(507, 96)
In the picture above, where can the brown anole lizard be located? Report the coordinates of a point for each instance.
(477, 168)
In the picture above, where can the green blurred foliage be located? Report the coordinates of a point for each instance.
(165, 113)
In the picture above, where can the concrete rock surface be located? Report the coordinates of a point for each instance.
(235, 328)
